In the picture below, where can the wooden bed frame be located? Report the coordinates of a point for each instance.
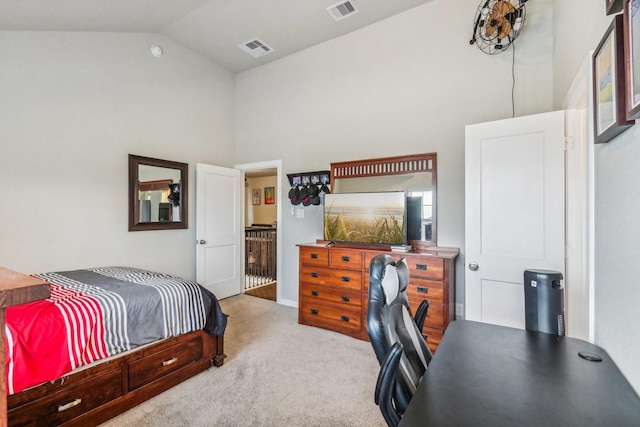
(98, 392)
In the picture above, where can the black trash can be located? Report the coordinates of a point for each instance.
(544, 301)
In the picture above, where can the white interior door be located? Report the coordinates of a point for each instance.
(514, 212)
(579, 205)
(219, 231)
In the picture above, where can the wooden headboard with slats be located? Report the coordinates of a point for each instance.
(398, 165)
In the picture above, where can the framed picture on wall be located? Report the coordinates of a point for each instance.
(613, 6)
(609, 83)
(256, 196)
(269, 195)
(632, 57)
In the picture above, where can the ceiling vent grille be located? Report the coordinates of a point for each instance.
(342, 10)
(256, 48)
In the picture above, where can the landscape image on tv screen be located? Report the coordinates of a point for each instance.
(365, 217)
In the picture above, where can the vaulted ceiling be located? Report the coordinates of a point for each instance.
(213, 28)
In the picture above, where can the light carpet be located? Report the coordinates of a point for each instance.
(277, 373)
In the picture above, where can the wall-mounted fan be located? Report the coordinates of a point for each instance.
(497, 24)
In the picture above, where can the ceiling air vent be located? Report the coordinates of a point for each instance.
(255, 48)
(342, 10)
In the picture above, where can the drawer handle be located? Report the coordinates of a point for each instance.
(346, 298)
(421, 266)
(314, 311)
(314, 293)
(69, 405)
(346, 258)
(314, 274)
(170, 361)
(344, 318)
(314, 256)
(346, 278)
(423, 289)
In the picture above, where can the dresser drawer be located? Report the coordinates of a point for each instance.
(58, 408)
(368, 256)
(314, 256)
(434, 336)
(346, 259)
(429, 289)
(420, 267)
(345, 296)
(433, 324)
(329, 276)
(425, 268)
(159, 364)
(336, 317)
(435, 314)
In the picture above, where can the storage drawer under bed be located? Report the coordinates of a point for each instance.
(157, 365)
(62, 406)
(97, 392)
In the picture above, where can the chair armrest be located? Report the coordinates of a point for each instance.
(385, 385)
(421, 314)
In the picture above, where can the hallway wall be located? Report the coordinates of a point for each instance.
(261, 213)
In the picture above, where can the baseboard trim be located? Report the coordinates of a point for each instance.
(288, 302)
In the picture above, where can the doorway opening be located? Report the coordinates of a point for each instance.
(260, 254)
(261, 211)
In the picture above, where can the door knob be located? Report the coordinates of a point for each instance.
(202, 242)
(473, 266)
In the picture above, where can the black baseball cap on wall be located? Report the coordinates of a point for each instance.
(294, 195)
(314, 195)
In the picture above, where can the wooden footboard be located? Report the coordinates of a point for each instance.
(100, 392)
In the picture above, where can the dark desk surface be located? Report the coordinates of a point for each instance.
(486, 375)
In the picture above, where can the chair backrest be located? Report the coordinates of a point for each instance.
(389, 321)
(378, 306)
(416, 355)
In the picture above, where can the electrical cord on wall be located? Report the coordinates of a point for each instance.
(513, 79)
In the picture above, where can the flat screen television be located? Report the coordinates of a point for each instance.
(366, 217)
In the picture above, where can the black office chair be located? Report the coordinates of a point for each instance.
(377, 303)
(389, 322)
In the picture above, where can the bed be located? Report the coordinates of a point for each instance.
(106, 340)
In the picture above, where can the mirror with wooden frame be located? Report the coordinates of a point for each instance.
(157, 194)
(415, 174)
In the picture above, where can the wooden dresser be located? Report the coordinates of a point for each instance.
(334, 286)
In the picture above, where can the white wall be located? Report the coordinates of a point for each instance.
(579, 27)
(406, 85)
(72, 107)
